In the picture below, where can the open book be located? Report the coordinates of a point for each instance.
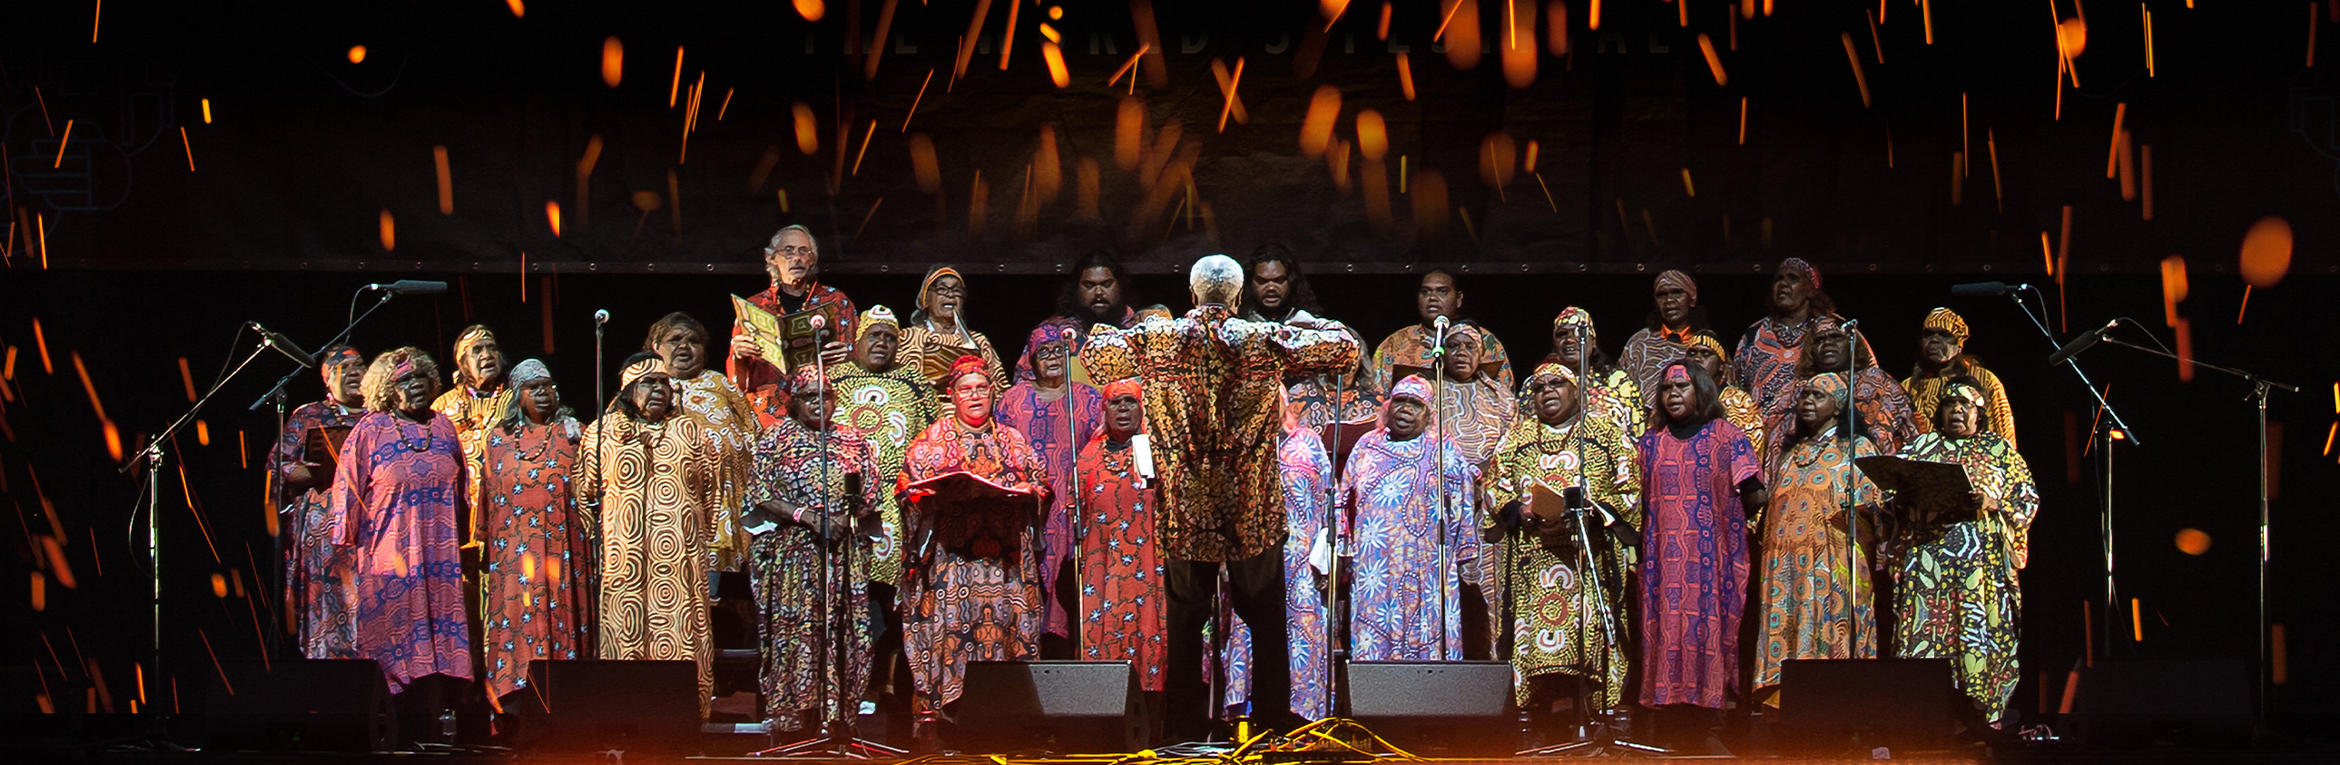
(1930, 492)
(788, 341)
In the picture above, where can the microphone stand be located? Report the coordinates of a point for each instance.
(2104, 438)
(1333, 655)
(1852, 520)
(1438, 478)
(2259, 389)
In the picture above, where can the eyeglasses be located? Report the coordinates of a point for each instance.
(1541, 385)
(792, 252)
(1052, 352)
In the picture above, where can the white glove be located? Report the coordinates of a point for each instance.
(1320, 554)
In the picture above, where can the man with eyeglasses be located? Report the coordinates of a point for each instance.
(793, 261)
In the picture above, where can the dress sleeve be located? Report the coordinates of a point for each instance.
(1109, 354)
(346, 521)
(1316, 350)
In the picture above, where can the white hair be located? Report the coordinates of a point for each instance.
(1216, 279)
(773, 245)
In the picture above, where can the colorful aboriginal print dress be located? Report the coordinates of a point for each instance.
(529, 607)
(651, 487)
(396, 494)
(1956, 588)
(1693, 563)
(1816, 598)
(795, 576)
(958, 608)
(1397, 610)
(1122, 584)
(887, 409)
(316, 571)
(1560, 625)
(1307, 485)
(1044, 427)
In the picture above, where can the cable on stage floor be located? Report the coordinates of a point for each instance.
(1339, 739)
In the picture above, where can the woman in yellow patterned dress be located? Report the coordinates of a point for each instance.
(709, 400)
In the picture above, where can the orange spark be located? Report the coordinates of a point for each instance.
(190, 148)
(1688, 187)
(913, 102)
(40, 591)
(2266, 252)
(215, 665)
(446, 180)
(1498, 161)
(2149, 37)
(967, 41)
(1875, 41)
(86, 385)
(1406, 71)
(96, 14)
(2145, 178)
(1528, 163)
(187, 377)
(1592, 19)
(357, 54)
(2047, 253)
(113, 440)
(8, 368)
(57, 563)
(726, 107)
(1381, 31)
(1462, 47)
(41, 343)
(1007, 43)
(674, 89)
(1054, 55)
(2174, 287)
(2113, 156)
(1556, 35)
(1143, 48)
(1519, 61)
(811, 10)
(207, 111)
(613, 61)
(518, 9)
(865, 219)
(1231, 101)
(866, 136)
(1713, 61)
(41, 227)
(61, 142)
(1742, 120)
(808, 132)
(552, 215)
(1316, 129)
(2246, 305)
(389, 231)
(923, 166)
(1991, 141)
(1860, 77)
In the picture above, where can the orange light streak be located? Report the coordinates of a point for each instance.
(1991, 141)
(187, 378)
(1228, 83)
(552, 215)
(1713, 61)
(1130, 64)
(1381, 32)
(1592, 19)
(1316, 129)
(2113, 156)
(1875, 41)
(1926, 8)
(877, 46)
(1742, 120)
(86, 385)
(2047, 253)
(1687, 186)
(1008, 41)
(1452, 7)
(1053, 54)
(61, 142)
(389, 232)
(41, 227)
(922, 96)
(98, 13)
(2246, 305)
(726, 107)
(57, 563)
(1860, 77)
(865, 219)
(2141, 7)
(215, 665)
(207, 111)
(866, 137)
(967, 41)
(1406, 72)
(518, 9)
(1965, 136)
(446, 180)
(40, 343)
(808, 135)
(613, 61)
(190, 146)
(674, 89)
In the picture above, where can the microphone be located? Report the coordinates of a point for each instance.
(1070, 335)
(411, 287)
(2081, 343)
(601, 316)
(1440, 327)
(1986, 289)
(1850, 326)
(820, 325)
(282, 344)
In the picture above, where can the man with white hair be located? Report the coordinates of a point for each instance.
(793, 260)
(1211, 384)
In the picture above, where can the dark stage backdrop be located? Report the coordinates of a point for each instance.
(2195, 468)
(245, 137)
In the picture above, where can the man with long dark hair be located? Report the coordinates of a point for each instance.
(1277, 287)
(1099, 292)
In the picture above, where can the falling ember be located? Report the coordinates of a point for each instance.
(1714, 62)
(2192, 541)
(1687, 186)
(1462, 35)
(357, 54)
(1592, 19)
(57, 563)
(1231, 102)
(202, 433)
(2330, 434)
(2075, 33)
(389, 232)
(2047, 253)
(552, 215)
(1498, 158)
(518, 9)
(2244, 309)
(811, 10)
(1860, 77)
(1742, 120)
(865, 219)
(1406, 73)
(40, 343)
(923, 165)
(2185, 350)
(187, 378)
(1991, 141)
(207, 111)
(674, 89)
(1925, 8)
(113, 441)
(866, 136)
(1381, 30)
(914, 101)
(808, 132)
(613, 61)
(86, 385)
(1556, 36)
(1528, 163)
(1129, 132)
(218, 586)
(1323, 108)
(2173, 287)
(446, 181)
(190, 146)
(40, 592)
(1054, 55)
(1519, 61)
(61, 142)
(2266, 252)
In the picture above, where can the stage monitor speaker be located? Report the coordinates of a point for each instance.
(327, 705)
(2132, 703)
(1437, 708)
(1830, 706)
(596, 706)
(1085, 707)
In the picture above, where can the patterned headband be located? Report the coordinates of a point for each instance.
(1554, 369)
(1127, 386)
(876, 315)
(964, 366)
(527, 372)
(937, 274)
(1678, 280)
(402, 366)
(1826, 382)
(1707, 341)
(1811, 275)
(1413, 387)
(1677, 373)
(640, 369)
(1948, 321)
(1962, 391)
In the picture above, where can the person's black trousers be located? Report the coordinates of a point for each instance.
(1255, 586)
